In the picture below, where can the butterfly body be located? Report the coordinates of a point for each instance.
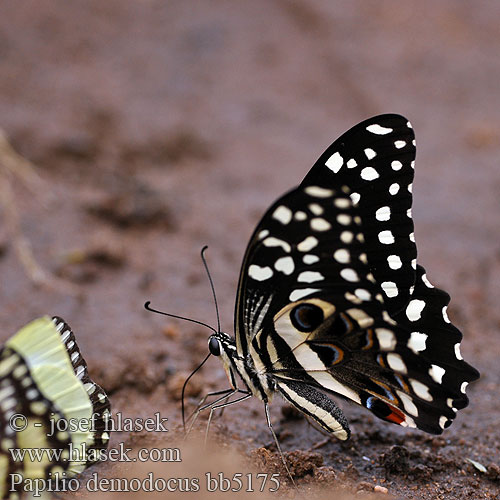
(259, 384)
(331, 300)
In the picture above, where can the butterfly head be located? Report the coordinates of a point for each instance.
(220, 344)
(214, 345)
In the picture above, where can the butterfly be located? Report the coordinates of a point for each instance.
(331, 300)
(45, 393)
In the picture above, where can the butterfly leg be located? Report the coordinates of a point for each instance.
(214, 407)
(226, 393)
(283, 459)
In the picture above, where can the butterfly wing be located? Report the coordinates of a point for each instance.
(20, 395)
(101, 406)
(322, 249)
(43, 376)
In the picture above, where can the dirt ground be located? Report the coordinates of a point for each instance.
(156, 127)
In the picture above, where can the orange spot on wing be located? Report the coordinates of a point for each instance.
(396, 416)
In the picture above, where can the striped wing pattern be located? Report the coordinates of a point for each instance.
(331, 299)
(43, 377)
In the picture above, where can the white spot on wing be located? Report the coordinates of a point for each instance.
(400, 144)
(378, 129)
(394, 188)
(310, 276)
(259, 273)
(436, 372)
(316, 209)
(417, 342)
(309, 243)
(370, 154)
(427, 283)
(319, 224)
(414, 309)
(445, 315)
(383, 214)
(342, 203)
(299, 215)
(342, 256)
(442, 421)
(396, 165)
(335, 162)
(351, 163)
(302, 292)
(408, 404)
(463, 387)
(386, 339)
(386, 237)
(275, 242)
(263, 234)
(352, 298)
(318, 192)
(395, 361)
(390, 288)
(363, 294)
(369, 174)
(355, 197)
(283, 214)
(458, 354)
(285, 265)
(344, 219)
(421, 390)
(394, 262)
(349, 274)
(346, 236)
(310, 259)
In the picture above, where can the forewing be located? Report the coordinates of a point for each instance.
(376, 160)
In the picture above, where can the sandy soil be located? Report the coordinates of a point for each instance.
(158, 127)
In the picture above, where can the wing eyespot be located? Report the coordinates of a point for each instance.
(341, 325)
(306, 317)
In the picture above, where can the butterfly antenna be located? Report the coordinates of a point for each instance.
(149, 308)
(211, 285)
(184, 388)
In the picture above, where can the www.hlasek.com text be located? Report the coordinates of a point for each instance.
(82, 453)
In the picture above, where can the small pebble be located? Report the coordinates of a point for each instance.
(381, 489)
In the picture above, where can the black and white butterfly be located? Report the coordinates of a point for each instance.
(331, 300)
(44, 379)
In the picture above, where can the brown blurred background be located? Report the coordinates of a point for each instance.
(156, 127)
